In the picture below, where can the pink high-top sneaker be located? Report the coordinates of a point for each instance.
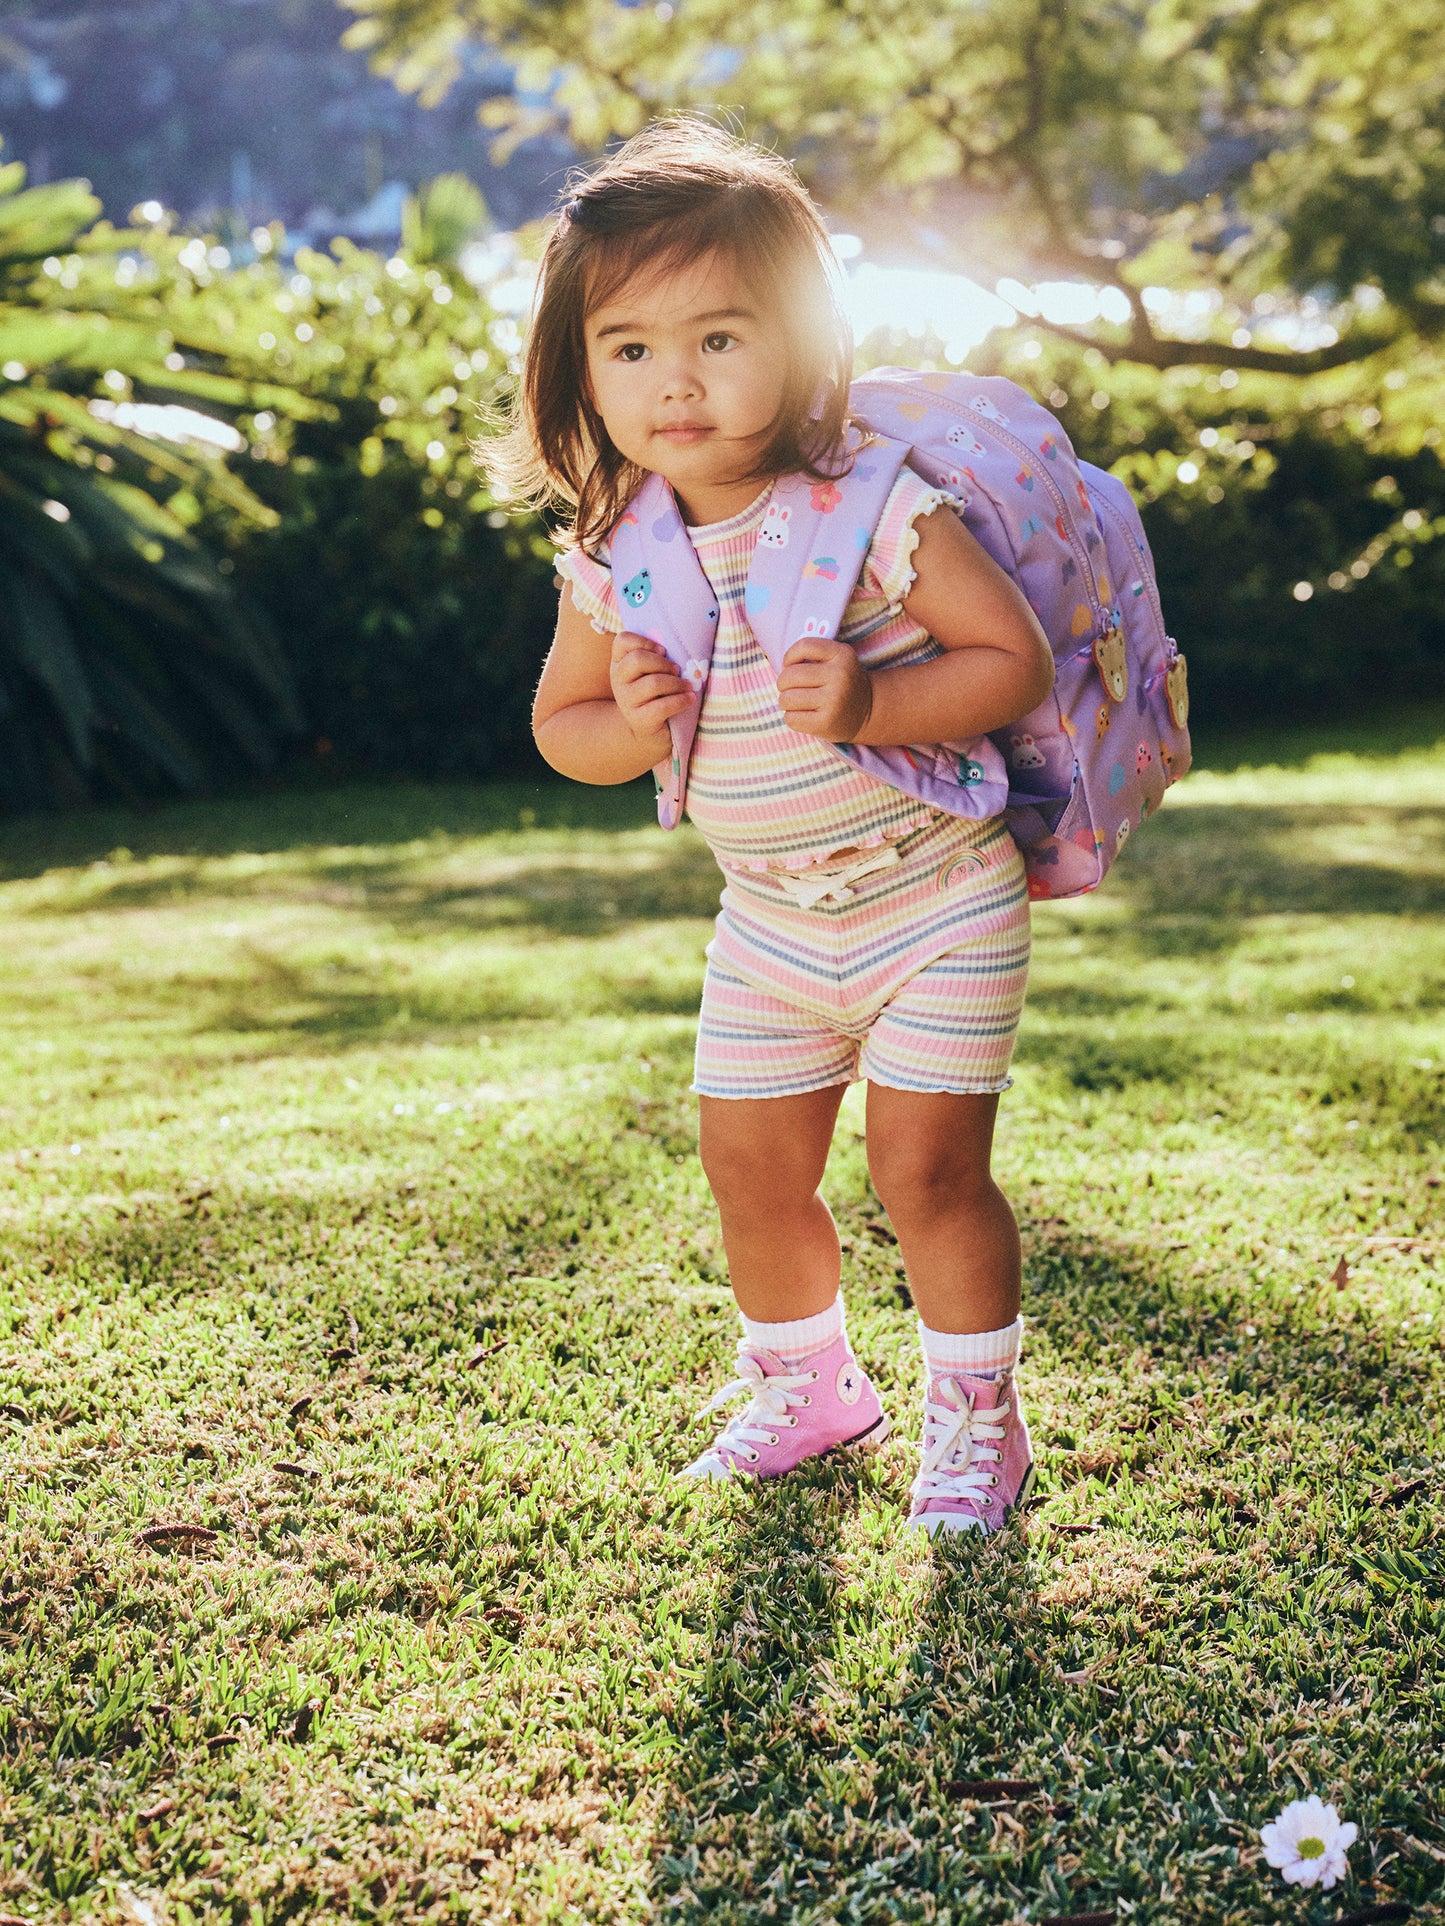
(977, 1460)
(825, 1403)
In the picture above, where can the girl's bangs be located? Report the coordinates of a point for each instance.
(665, 248)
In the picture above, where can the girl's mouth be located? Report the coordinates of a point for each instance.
(684, 432)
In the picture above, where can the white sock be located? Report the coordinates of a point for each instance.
(799, 1337)
(981, 1354)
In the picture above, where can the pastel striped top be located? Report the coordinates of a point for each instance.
(764, 795)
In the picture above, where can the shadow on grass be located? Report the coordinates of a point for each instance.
(1253, 859)
(344, 817)
(759, 1738)
(1242, 861)
(838, 1695)
(1385, 735)
(833, 1729)
(341, 1003)
(588, 893)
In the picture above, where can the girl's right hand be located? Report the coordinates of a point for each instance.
(645, 686)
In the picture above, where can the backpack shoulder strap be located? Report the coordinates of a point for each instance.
(663, 594)
(661, 590)
(812, 545)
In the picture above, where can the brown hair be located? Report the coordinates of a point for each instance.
(678, 190)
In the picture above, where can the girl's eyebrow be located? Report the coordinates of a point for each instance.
(689, 321)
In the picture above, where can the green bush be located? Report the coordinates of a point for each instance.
(414, 615)
(342, 585)
(1234, 572)
(1300, 562)
(127, 664)
(344, 589)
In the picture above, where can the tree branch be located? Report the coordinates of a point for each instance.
(1155, 351)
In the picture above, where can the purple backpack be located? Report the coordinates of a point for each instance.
(1073, 777)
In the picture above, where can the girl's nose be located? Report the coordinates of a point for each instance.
(681, 381)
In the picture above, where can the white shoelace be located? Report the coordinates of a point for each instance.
(960, 1448)
(807, 887)
(768, 1408)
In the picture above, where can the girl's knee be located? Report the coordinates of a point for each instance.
(769, 1154)
(923, 1175)
(747, 1171)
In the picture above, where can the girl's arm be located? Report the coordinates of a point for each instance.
(602, 706)
(997, 663)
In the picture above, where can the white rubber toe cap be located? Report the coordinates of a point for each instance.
(705, 1469)
(951, 1523)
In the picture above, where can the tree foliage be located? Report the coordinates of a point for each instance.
(126, 661)
(1249, 145)
(413, 612)
(172, 618)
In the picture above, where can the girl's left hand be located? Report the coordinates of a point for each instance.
(824, 690)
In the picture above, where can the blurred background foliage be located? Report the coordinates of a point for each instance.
(415, 612)
(324, 579)
(126, 664)
(1295, 525)
(324, 583)
(1276, 166)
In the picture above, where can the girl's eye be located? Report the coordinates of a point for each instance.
(631, 351)
(718, 343)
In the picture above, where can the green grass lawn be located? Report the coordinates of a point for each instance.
(353, 1214)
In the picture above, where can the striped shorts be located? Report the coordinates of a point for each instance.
(916, 981)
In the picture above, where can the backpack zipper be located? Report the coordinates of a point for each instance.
(1027, 457)
(1151, 592)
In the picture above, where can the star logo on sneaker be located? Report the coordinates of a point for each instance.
(850, 1384)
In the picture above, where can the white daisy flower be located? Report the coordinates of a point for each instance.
(1307, 1843)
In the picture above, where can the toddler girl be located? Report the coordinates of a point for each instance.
(687, 326)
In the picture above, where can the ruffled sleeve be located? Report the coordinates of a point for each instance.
(592, 592)
(888, 570)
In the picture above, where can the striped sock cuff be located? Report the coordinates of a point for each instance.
(797, 1338)
(981, 1354)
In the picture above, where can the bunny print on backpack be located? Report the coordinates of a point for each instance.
(1024, 753)
(774, 531)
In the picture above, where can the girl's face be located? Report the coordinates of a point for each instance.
(688, 377)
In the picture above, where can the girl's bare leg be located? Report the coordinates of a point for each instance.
(929, 1159)
(764, 1157)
